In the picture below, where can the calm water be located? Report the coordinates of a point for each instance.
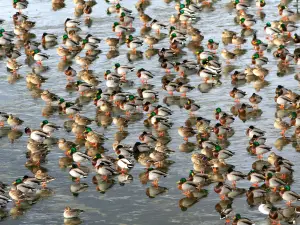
(129, 204)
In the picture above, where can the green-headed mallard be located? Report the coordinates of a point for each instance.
(78, 157)
(93, 136)
(238, 220)
(48, 127)
(187, 187)
(288, 195)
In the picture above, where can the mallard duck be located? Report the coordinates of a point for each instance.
(285, 12)
(72, 213)
(150, 40)
(238, 220)
(282, 125)
(274, 182)
(258, 60)
(49, 98)
(123, 69)
(154, 175)
(78, 157)
(25, 188)
(238, 41)
(284, 101)
(186, 132)
(36, 135)
(43, 177)
(121, 149)
(146, 137)
(144, 75)
(247, 22)
(112, 42)
(35, 79)
(119, 29)
(245, 109)
(222, 154)
(255, 178)
(237, 94)
(48, 127)
(251, 131)
(227, 55)
(212, 45)
(49, 38)
(157, 26)
(65, 145)
(124, 164)
(38, 56)
(235, 176)
(222, 189)
(191, 106)
(105, 169)
(255, 99)
(14, 121)
(187, 187)
(93, 137)
(221, 131)
(184, 88)
(288, 195)
(77, 173)
(71, 23)
(271, 30)
(13, 65)
(19, 5)
(84, 62)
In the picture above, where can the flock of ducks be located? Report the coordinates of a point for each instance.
(120, 104)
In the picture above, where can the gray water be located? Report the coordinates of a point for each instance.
(129, 204)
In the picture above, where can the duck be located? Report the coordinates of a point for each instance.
(93, 137)
(255, 99)
(186, 132)
(247, 22)
(105, 170)
(235, 176)
(124, 163)
(46, 38)
(38, 56)
(48, 127)
(187, 186)
(119, 29)
(78, 157)
(238, 220)
(212, 45)
(227, 55)
(123, 69)
(184, 88)
(237, 94)
(49, 97)
(144, 75)
(77, 173)
(251, 131)
(222, 189)
(37, 135)
(157, 26)
(154, 175)
(72, 213)
(288, 195)
(146, 137)
(282, 125)
(255, 178)
(191, 106)
(14, 121)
